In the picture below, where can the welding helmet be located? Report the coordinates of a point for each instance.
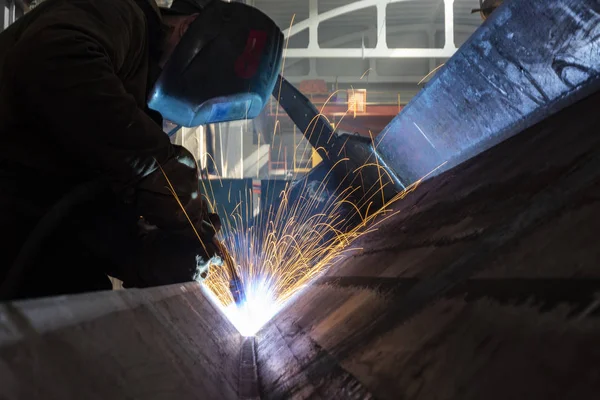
(224, 68)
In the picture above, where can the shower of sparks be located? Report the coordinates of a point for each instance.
(284, 252)
(293, 242)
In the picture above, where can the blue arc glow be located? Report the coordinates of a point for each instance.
(258, 309)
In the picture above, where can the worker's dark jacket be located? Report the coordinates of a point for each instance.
(74, 76)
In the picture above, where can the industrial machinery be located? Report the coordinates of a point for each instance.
(351, 156)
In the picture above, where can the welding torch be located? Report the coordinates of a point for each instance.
(236, 286)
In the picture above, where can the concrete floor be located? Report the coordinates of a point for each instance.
(483, 287)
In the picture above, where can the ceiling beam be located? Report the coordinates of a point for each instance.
(363, 53)
(357, 79)
(411, 28)
(314, 21)
(381, 51)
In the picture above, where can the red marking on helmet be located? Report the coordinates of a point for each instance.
(247, 63)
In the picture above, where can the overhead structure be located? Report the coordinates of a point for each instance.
(374, 41)
(381, 50)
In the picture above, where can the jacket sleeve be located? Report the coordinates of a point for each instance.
(69, 78)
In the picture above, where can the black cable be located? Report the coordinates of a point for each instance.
(45, 227)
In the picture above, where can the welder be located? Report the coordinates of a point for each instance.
(90, 185)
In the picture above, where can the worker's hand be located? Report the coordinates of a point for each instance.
(174, 256)
(204, 230)
(177, 232)
(167, 258)
(169, 197)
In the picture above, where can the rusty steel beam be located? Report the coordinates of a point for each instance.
(160, 343)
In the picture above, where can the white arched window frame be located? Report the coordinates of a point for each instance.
(381, 50)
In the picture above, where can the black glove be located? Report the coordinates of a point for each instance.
(169, 257)
(156, 203)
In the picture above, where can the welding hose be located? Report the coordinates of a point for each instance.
(44, 228)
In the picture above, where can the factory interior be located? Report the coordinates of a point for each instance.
(413, 214)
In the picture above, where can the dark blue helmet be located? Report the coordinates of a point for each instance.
(224, 68)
